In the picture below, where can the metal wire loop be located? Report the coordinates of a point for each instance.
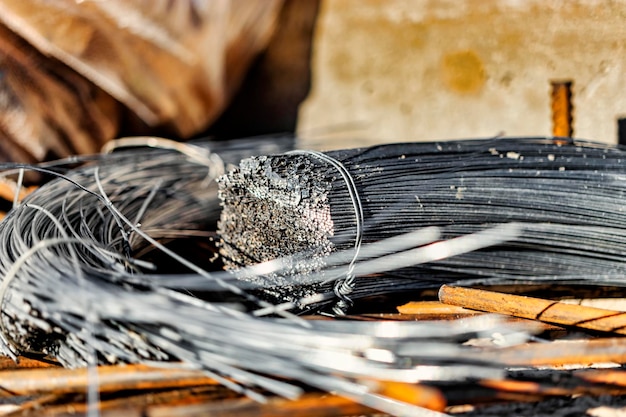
(344, 286)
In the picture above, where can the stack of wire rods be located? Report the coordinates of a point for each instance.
(567, 194)
(74, 288)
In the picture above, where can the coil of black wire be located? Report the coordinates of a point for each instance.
(567, 194)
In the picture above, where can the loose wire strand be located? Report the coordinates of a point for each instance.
(198, 154)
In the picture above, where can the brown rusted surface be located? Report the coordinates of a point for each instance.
(421, 395)
(315, 405)
(549, 311)
(531, 387)
(26, 363)
(109, 379)
(562, 109)
(615, 377)
(310, 405)
(561, 352)
(431, 308)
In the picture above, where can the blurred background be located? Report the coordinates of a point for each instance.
(341, 73)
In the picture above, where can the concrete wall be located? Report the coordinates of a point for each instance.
(389, 70)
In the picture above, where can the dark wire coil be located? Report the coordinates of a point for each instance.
(568, 194)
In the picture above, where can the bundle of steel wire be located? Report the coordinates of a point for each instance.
(568, 195)
(83, 281)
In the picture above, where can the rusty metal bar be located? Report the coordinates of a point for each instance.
(562, 109)
(591, 318)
